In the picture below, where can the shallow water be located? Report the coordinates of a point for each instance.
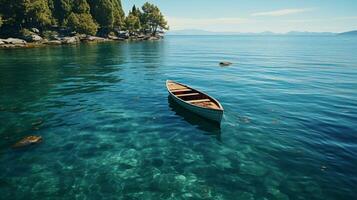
(110, 131)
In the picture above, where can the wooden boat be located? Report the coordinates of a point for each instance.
(195, 101)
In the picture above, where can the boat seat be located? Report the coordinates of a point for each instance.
(186, 95)
(177, 87)
(198, 101)
(181, 90)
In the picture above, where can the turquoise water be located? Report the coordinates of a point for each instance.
(110, 132)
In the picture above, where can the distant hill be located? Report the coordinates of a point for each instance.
(349, 33)
(267, 33)
(299, 33)
(190, 32)
(204, 32)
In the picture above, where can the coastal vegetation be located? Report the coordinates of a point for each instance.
(35, 20)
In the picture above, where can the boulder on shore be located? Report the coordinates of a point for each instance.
(33, 38)
(14, 41)
(153, 38)
(70, 40)
(1, 42)
(35, 30)
(94, 39)
(111, 37)
(82, 37)
(123, 34)
(53, 42)
(27, 141)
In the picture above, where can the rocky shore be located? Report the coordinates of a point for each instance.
(35, 40)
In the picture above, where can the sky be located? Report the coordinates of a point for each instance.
(257, 15)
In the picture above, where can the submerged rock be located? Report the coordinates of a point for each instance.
(277, 194)
(166, 182)
(225, 63)
(37, 122)
(254, 169)
(27, 141)
(129, 157)
(245, 195)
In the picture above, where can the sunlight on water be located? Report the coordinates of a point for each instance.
(111, 132)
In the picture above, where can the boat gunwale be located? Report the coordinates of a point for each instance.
(215, 100)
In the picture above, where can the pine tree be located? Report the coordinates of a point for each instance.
(82, 23)
(13, 12)
(132, 23)
(37, 13)
(108, 13)
(152, 19)
(82, 16)
(118, 14)
(80, 19)
(61, 10)
(135, 11)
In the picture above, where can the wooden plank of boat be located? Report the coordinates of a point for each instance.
(195, 101)
(189, 94)
(181, 90)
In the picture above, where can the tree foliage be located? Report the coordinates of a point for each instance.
(37, 13)
(108, 13)
(82, 16)
(79, 19)
(82, 23)
(132, 23)
(61, 10)
(152, 19)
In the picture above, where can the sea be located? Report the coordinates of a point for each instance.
(110, 131)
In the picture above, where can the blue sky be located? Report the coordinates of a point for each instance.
(257, 15)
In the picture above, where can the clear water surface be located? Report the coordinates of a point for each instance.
(110, 132)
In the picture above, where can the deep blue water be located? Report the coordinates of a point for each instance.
(110, 132)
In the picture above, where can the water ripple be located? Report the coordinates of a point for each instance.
(110, 131)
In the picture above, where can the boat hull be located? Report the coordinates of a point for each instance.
(214, 115)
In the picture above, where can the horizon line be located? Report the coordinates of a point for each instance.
(267, 31)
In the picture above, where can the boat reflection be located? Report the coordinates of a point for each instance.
(210, 128)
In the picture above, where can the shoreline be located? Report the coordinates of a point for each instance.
(17, 43)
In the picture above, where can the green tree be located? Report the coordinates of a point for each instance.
(135, 11)
(108, 13)
(82, 23)
(81, 6)
(80, 19)
(61, 10)
(132, 23)
(13, 12)
(118, 14)
(83, 16)
(152, 19)
(37, 13)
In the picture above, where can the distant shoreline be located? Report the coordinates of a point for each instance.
(266, 33)
(247, 35)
